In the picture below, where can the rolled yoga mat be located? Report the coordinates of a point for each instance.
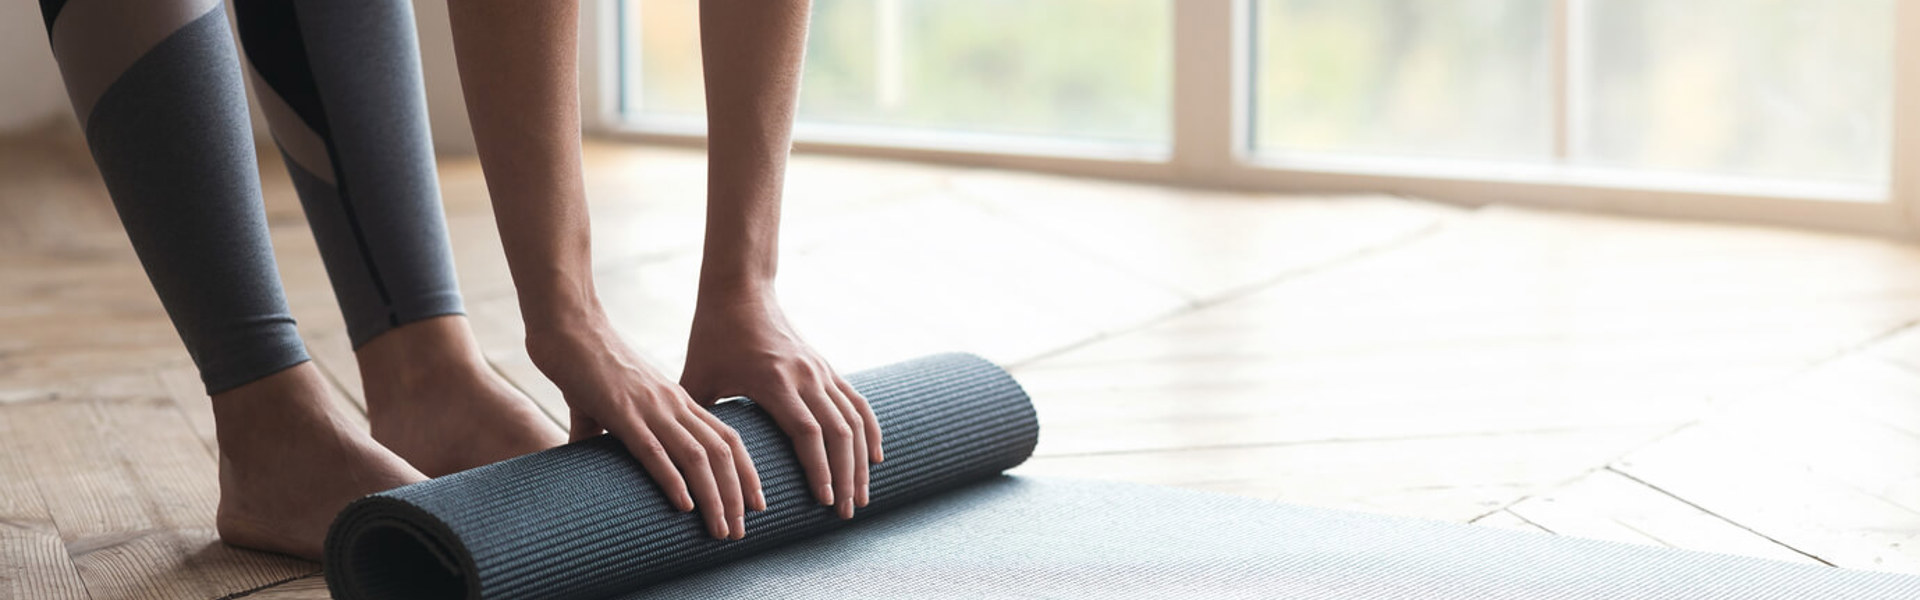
(585, 521)
(582, 521)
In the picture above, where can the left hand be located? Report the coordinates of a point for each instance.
(743, 346)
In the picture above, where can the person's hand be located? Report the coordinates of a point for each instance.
(743, 346)
(694, 457)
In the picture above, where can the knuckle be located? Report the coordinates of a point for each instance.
(807, 428)
(696, 460)
(652, 447)
(794, 363)
(842, 431)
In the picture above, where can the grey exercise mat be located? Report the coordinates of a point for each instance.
(582, 521)
(1029, 537)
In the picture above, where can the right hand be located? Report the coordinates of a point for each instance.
(697, 460)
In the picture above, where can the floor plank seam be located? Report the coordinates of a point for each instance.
(252, 591)
(1413, 237)
(1508, 505)
(1849, 352)
(1856, 349)
(1524, 519)
(1077, 248)
(40, 493)
(1716, 515)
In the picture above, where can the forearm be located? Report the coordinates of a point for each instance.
(518, 71)
(751, 51)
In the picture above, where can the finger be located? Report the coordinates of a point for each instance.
(809, 445)
(866, 415)
(653, 456)
(694, 465)
(839, 445)
(720, 459)
(742, 462)
(859, 438)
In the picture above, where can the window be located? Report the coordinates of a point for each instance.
(1446, 78)
(1785, 111)
(1033, 68)
(1776, 88)
(1781, 89)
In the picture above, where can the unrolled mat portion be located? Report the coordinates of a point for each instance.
(584, 520)
(1028, 537)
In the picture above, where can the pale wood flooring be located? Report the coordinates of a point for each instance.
(1733, 389)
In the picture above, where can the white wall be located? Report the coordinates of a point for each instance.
(446, 108)
(33, 96)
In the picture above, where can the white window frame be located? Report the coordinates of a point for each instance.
(1210, 146)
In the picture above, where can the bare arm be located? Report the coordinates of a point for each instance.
(741, 342)
(518, 70)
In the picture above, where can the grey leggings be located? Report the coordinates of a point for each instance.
(157, 87)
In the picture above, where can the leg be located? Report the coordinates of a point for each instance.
(340, 82)
(157, 87)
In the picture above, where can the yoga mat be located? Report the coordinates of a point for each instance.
(1027, 537)
(585, 521)
(582, 521)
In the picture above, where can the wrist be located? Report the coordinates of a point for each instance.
(560, 328)
(558, 301)
(733, 289)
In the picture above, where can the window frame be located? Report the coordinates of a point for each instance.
(1211, 145)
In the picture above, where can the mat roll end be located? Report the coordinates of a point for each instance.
(382, 547)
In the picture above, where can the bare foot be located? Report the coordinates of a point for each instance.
(289, 462)
(432, 399)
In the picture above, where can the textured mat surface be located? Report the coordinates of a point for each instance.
(1053, 538)
(584, 520)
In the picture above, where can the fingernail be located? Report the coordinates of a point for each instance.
(826, 494)
(720, 530)
(760, 499)
(738, 527)
(860, 499)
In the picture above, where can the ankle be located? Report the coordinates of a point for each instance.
(292, 402)
(419, 355)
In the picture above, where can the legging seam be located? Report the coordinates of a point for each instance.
(325, 130)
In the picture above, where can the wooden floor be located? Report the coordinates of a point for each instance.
(1733, 389)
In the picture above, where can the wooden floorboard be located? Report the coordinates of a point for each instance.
(1610, 506)
(1504, 519)
(132, 492)
(1802, 471)
(33, 558)
(1729, 389)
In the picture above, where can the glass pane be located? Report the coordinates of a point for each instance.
(1451, 78)
(1781, 88)
(1090, 69)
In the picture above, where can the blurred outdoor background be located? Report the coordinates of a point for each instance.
(1797, 89)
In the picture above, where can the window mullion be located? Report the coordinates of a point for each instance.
(1904, 188)
(1209, 85)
